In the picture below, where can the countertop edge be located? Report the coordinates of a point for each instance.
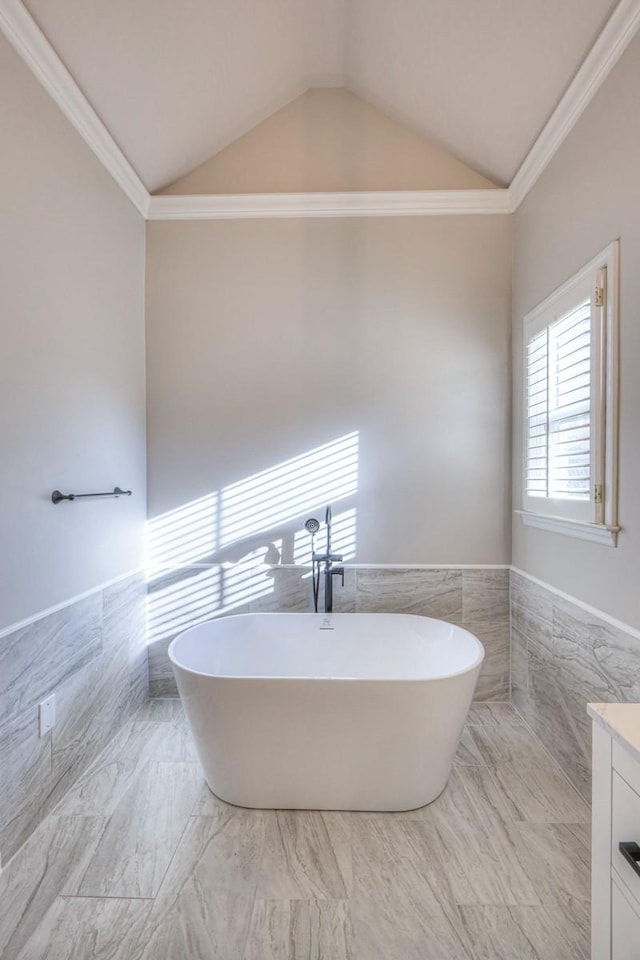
(616, 718)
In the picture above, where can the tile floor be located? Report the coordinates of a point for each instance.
(141, 862)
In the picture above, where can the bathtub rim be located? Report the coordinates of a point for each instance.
(476, 664)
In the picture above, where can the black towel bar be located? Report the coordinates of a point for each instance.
(56, 496)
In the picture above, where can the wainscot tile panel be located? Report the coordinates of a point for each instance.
(91, 707)
(475, 598)
(485, 612)
(39, 657)
(485, 596)
(428, 593)
(125, 628)
(532, 612)
(493, 682)
(519, 669)
(92, 656)
(562, 658)
(26, 764)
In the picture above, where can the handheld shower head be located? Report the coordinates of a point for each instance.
(312, 526)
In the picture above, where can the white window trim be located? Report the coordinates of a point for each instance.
(606, 529)
(596, 532)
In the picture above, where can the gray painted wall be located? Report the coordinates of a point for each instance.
(71, 416)
(266, 339)
(587, 197)
(72, 357)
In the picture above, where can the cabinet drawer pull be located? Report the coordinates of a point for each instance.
(631, 852)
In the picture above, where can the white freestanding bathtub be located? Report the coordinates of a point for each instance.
(340, 712)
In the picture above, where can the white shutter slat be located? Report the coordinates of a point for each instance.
(579, 340)
(563, 427)
(572, 380)
(571, 445)
(582, 360)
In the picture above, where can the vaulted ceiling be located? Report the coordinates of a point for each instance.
(176, 81)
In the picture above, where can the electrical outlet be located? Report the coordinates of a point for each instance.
(47, 710)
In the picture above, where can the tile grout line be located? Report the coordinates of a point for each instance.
(106, 896)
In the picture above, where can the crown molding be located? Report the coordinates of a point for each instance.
(392, 203)
(605, 53)
(30, 43)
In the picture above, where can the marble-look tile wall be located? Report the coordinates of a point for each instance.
(92, 655)
(476, 598)
(563, 657)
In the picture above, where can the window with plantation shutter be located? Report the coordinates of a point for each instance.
(569, 442)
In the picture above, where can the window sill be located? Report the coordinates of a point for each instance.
(596, 532)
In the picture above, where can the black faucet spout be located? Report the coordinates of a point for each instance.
(331, 571)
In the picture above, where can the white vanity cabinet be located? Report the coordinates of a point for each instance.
(615, 877)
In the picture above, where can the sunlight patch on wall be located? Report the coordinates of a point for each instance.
(280, 494)
(182, 536)
(182, 604)
(247, 580)
(200, 593)
(216, 554)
